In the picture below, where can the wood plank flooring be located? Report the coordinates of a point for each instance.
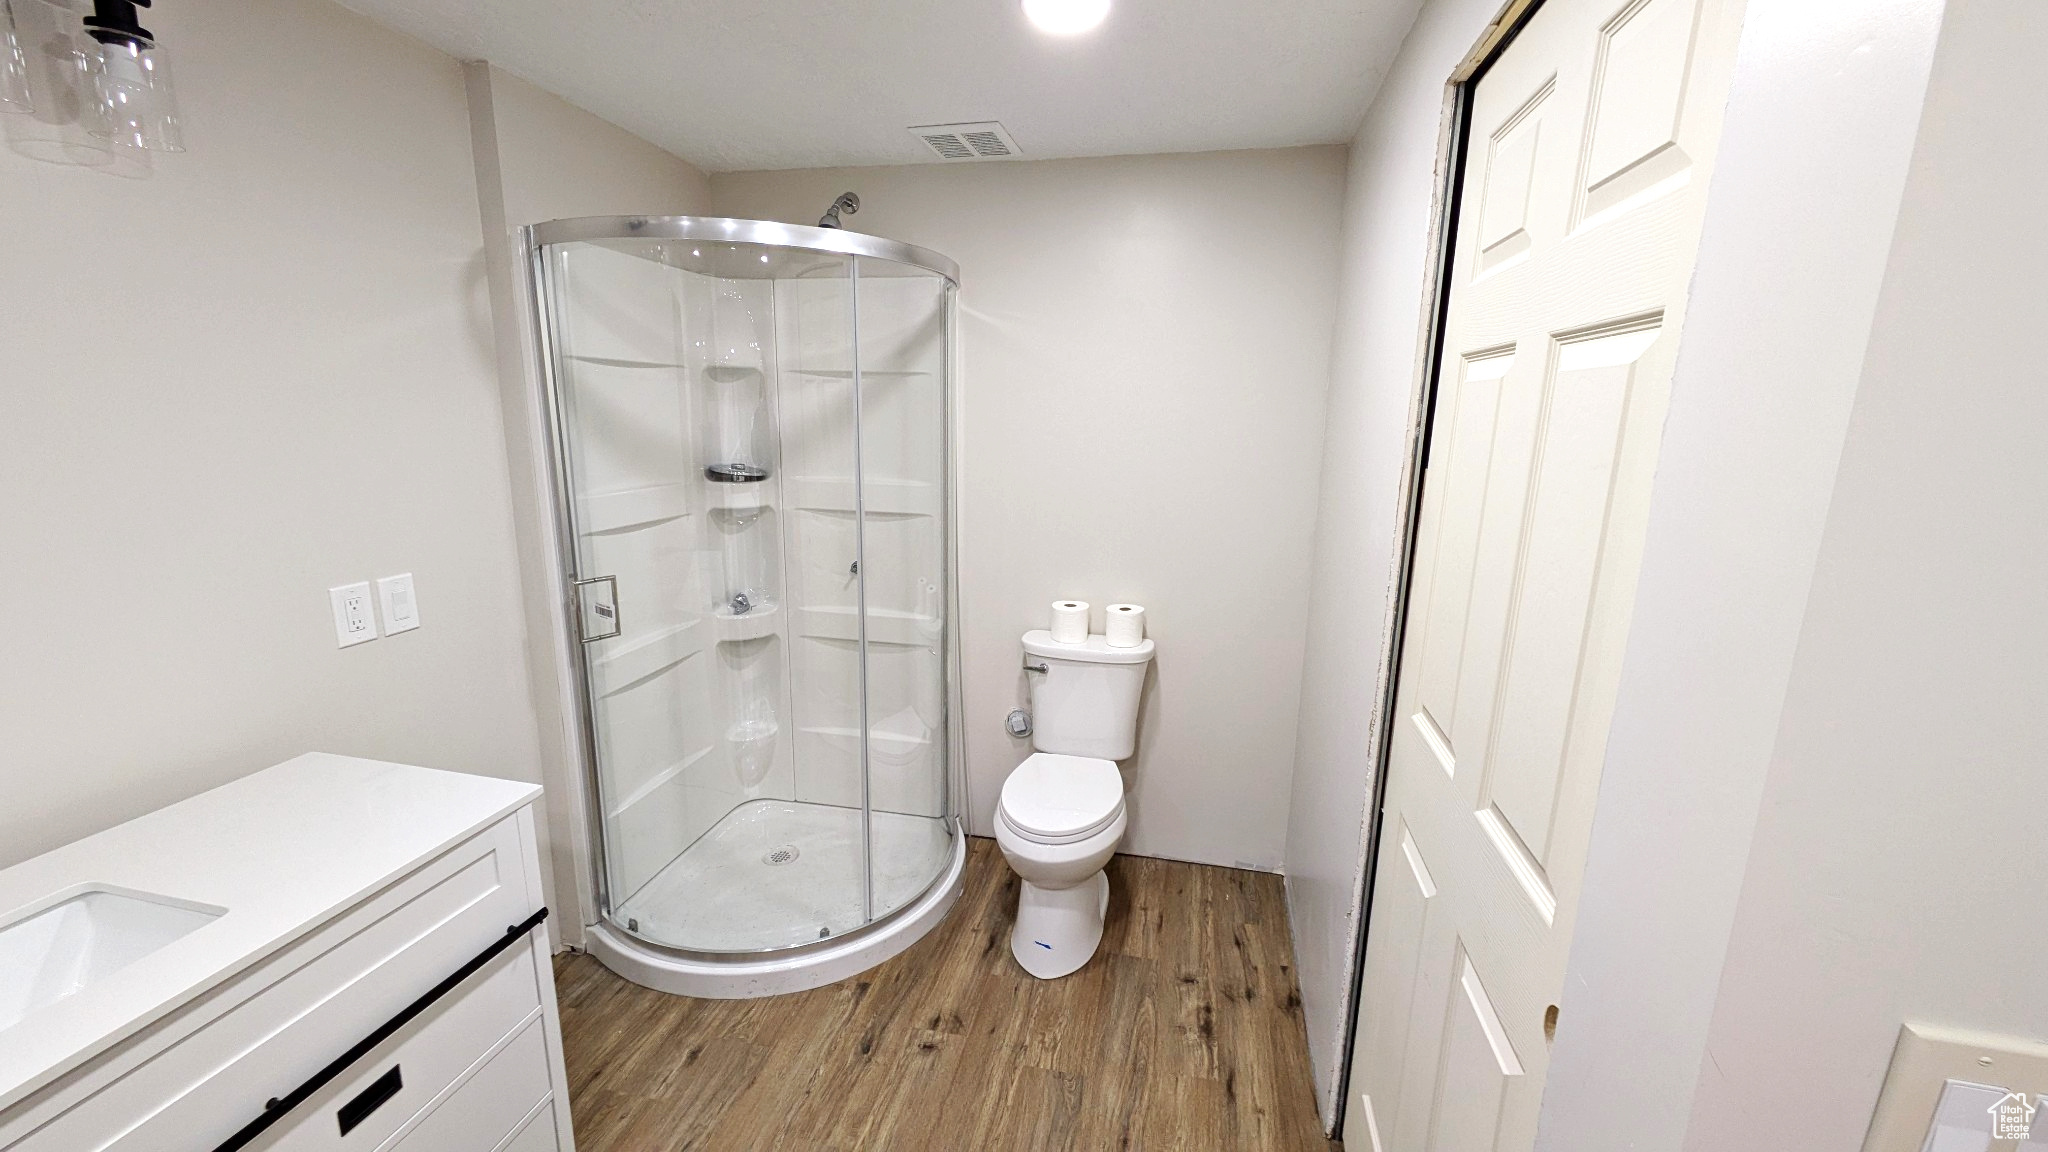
(1184, 1032)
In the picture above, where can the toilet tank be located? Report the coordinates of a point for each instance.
(1085, 703)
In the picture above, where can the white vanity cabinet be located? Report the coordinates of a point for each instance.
(418, 1015)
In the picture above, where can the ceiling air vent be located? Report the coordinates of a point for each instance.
(984, 141)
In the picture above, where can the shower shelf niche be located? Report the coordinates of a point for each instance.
(759, 621)
(752, 676)
(739, 497)
(752, 741)
(727, 372)
(748, 549)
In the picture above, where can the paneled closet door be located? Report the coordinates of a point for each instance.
(1586, 176)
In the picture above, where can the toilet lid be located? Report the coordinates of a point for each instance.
(1063, 797)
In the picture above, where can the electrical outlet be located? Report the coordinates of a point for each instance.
(401, 608)
(354, 621)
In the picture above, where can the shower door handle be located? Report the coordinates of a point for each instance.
(598, 611)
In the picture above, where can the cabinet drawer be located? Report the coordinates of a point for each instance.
(198, 1077)
(491, 1105)
(539, 1135)
(405, 1075)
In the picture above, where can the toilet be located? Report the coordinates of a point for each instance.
(1062, 810)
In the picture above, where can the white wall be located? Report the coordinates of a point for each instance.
(1390, 203)
(1144, 354)
(262, 371)
(556, 161)
(537, 158)
(1900, 827)
(272, 366)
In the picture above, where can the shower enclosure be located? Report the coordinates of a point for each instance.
(751, 467)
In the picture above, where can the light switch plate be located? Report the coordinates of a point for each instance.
(1941, 1077)
(354, 620)
(401, 608)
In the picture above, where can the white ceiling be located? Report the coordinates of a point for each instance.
(751, 84)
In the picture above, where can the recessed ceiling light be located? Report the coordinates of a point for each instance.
(1066, 17)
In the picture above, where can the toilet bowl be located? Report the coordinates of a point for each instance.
(1058, 823)
(1062, 810)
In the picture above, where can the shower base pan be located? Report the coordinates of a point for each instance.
(779, 883)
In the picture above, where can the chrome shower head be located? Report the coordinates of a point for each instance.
(847, 203)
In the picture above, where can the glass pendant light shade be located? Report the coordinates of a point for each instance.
(137, 108)
(14, 87)
(131, 81)
(63, 112)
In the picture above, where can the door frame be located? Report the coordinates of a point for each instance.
(1452, 154)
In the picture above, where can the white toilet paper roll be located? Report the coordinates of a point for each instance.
(1125, 625)
(1069, 622)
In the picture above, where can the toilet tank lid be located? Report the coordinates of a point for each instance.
(1094, 650)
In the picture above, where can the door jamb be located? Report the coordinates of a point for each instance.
(1452, 152)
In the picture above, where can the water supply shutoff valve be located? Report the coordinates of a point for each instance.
(1019, 723)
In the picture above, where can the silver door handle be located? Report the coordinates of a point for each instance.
(604, 611)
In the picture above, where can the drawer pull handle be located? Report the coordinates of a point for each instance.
(370, 1099)
(280, 1106)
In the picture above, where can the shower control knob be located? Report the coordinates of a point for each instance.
(1019, 723)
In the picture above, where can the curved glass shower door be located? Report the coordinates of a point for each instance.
(901, 350)
(751, 448)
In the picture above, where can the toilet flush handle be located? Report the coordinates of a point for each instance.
(1038, 667)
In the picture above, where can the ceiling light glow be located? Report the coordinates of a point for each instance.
(1066, 17)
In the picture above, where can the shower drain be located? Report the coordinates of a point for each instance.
(781, 855)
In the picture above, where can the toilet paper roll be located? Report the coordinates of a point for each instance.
(1069, 622)
(1125, 625)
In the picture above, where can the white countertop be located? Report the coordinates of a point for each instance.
(283, 850)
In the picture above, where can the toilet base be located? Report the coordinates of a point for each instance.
(1058, 929)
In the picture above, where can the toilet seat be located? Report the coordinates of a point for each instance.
(1054, 799)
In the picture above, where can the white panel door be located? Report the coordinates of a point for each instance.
(1586, 175)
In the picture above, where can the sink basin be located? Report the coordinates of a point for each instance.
(84, 937)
